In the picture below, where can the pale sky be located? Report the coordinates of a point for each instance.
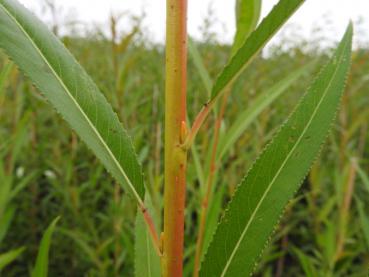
(331, 16)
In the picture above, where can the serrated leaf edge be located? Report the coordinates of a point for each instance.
(271, 141)
(131, 186)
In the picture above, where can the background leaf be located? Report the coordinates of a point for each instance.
(247, 17)
(306, 263)
(254, 43)
(364, 220)
(199, 64)
(10, 256)
(259, 200)
(264, 100)
(42, 261)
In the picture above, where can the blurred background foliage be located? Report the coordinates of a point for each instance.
(45, 171)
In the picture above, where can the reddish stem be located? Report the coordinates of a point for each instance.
(152, 230)
(175, 159)
(199, 120)
(345, 208)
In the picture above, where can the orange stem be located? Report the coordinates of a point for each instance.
(199, 120)
(152, 230)
(175, 159)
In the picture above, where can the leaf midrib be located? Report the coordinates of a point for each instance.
(20, 26)
(280, 169)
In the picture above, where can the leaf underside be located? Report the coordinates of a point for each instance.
(65, 84)
(276, 175)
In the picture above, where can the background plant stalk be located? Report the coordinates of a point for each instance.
(209, 186)
(175, 155)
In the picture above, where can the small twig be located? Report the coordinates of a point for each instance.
(199, 120)
(151, 227)
(345, 208)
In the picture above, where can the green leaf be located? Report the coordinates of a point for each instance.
(212, 218)
(247, 17)
(19, 138)
(82, 242)
(5, 219)
(42, 260)
(306, 263)
(364, 177)
(147, 261)
(65, 84)
(4, 74)
(198, 166)
(364, 220)
(263, 101)
(261, 197)
(9, 257)
(21, 185)
(254, 43)
(199, 64)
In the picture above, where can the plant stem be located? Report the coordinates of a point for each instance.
(209, 186)
(344, 209)
(175, 156)
(199, 120)
(151, 227)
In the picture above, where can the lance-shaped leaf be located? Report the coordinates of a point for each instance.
(254, 43)
(65, 84)
(247, 17)
(275, 176)
(9, 257)
(42, 260)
